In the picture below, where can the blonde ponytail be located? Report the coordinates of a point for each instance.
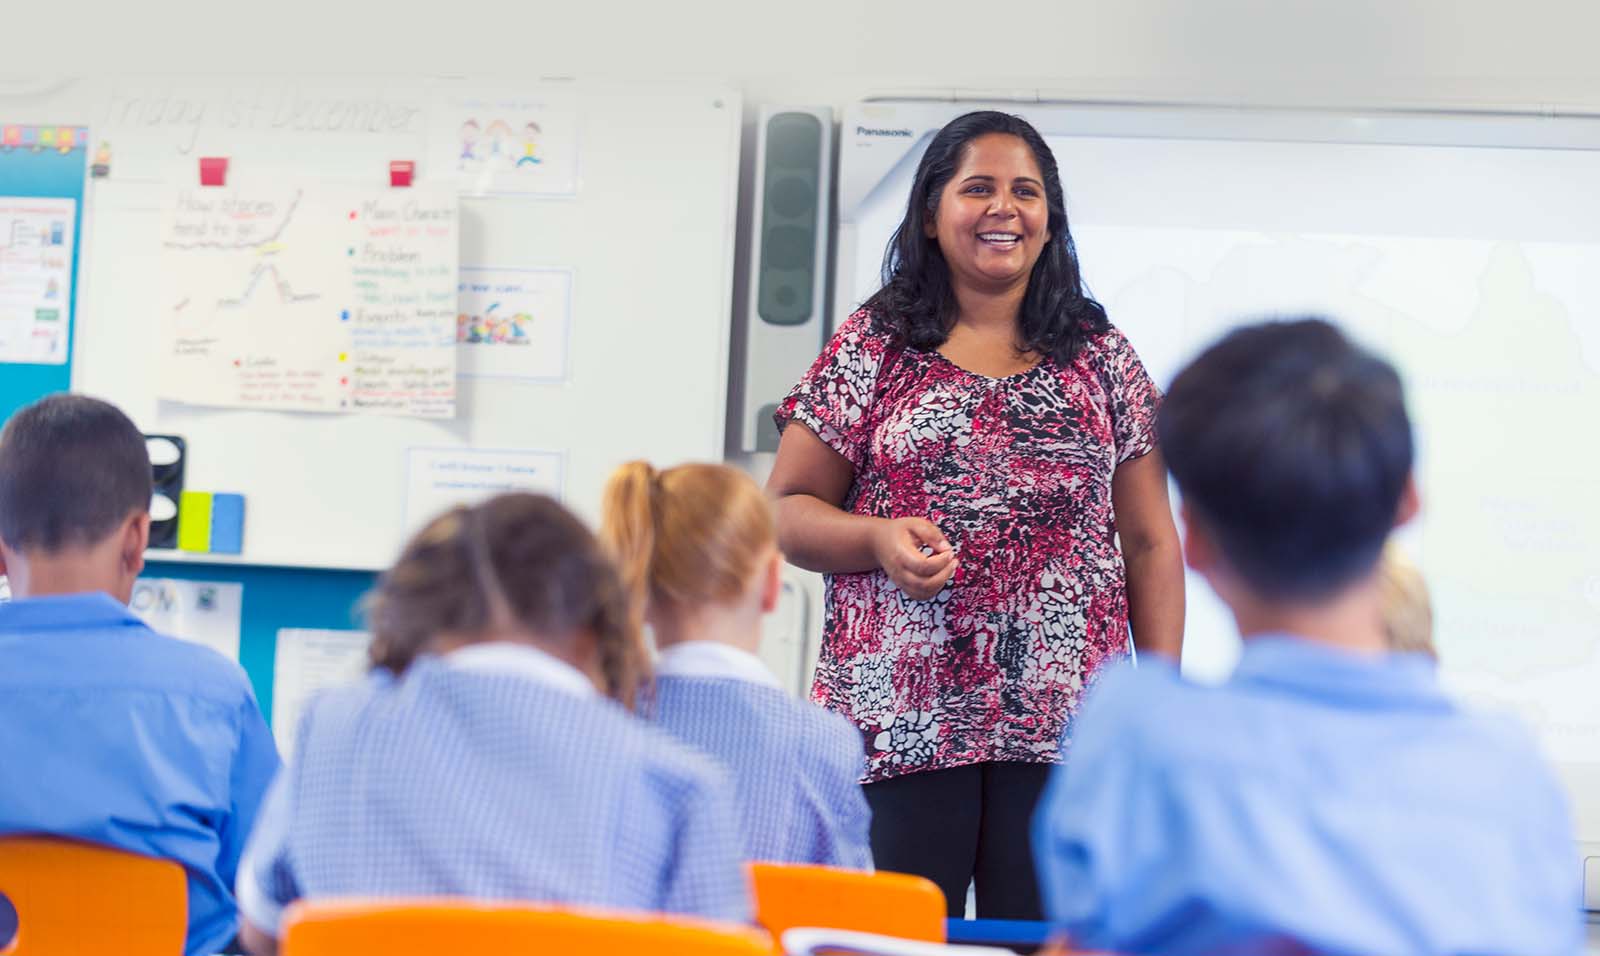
(690, 535)
(628, 528)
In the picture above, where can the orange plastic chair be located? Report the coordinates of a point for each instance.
(890, 904)
(73, 898)
(452, 927)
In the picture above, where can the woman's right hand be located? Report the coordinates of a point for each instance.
(915, 555)
(811, 481)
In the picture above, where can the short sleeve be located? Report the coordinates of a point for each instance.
(1134, 399)
(848, 839)
(707, 876)
(834, 397)
(266, 884)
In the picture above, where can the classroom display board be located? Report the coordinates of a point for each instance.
(295, 298)
(403, 294)
(1467, 249)
(42, 169)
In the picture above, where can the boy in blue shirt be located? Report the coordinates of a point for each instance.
(1328, 797)
(110, 732)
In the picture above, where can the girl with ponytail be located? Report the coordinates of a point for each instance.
(490, 754)
(697, 547)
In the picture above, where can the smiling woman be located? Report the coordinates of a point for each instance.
(971, 447)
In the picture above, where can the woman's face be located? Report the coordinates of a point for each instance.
(992, 221)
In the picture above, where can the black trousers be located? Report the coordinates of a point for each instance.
(963, 825)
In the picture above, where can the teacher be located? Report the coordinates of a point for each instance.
(970, 446)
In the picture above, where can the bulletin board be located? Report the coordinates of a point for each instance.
(596, 233)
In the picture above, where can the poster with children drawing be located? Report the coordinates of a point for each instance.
(509, 145)
(513, 323)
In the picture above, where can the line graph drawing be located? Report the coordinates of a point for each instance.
(286, 293)
(194, 312)
(266, 288)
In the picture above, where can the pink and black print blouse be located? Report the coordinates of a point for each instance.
(1016, 472)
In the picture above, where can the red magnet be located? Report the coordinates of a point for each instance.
(213, 170)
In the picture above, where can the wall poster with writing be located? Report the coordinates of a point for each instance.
(310, 299)
(514, 323)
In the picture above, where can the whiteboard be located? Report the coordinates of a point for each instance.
(640, 231)
(1465, 248)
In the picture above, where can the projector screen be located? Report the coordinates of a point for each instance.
(1467, 250)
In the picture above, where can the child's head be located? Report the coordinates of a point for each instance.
(518, 567)
(692, 537)
(1292, 450)
(1407, 611)
(75, 489)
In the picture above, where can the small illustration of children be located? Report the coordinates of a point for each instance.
(530, 145)
(491, 329)
(469, 142)
(499, 134)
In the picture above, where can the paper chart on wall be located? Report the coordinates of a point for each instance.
(307, 661)
(205, 612)
(514, 323)
(310, 298)
(36, 243)
(438, 479)
(509, 144)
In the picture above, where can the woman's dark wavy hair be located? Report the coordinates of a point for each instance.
(917, 305)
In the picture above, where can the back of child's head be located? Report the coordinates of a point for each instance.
(516, 562)
(1291, 445)
(1407, 610)
(688, 536)
(72, 470)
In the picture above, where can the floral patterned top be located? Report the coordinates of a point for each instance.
(1016, 472)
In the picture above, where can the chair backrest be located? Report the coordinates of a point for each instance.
(74, 898)
(805, 941)
(436, 927)
(889, 904)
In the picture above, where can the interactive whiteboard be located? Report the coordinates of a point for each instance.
(1465, 248)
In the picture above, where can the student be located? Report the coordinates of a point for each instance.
(486, 755)
(1328, 797)
(1407, 611)
(110, 732)
(698, 548)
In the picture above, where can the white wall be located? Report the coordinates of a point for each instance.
(1356, 54)
(1478, 52)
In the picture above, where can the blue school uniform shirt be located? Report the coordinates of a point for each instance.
(1319, 800)
(796, 768)
(494, 772)
(118, 735)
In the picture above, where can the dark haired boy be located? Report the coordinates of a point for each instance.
(110, 732)
(1328, 797)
